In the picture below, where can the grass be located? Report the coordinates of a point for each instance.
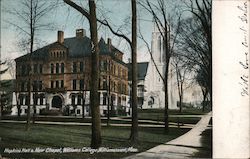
(13, 135)
(158, 115)
(190, 111)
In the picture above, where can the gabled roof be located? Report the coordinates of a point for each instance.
(77, 47)
(142, 68)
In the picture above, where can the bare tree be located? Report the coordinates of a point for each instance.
(134, 128)
(132, 44)
(196, 41)
(182, 73)
(30, 17)
(95, 109)
(164, 24)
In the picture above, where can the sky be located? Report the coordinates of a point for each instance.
(67, 19)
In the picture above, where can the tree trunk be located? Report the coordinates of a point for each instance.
(27, 128)
(134, 128)
(0, 108)
(166, 81)
(83, 106)
(180, 103)
(34, 114)
(166, 127)
(108, 106)
(17, 104)
(204, 93)
(94, 95)
(29, 67)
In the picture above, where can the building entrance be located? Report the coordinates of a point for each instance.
(57, 102)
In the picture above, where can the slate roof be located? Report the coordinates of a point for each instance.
(77, 47)
(142, 68)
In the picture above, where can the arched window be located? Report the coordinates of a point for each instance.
(57, 67)
(52, 68)
(62, 67)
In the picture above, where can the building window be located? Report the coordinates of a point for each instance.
(102, 65)
(40, 68)
(115, 70)
(74, 85)
(119, 72)
(35, 68)
(62, 67)
(78, 111)
(34, 85)
(51, 84)
(35, 98)
(81, 66)
(21, 100)
(62, 83)
(73, 100)
(23, 86)
(28, 69)
(79, 99)
(41, 100)
(104, 99)
(81, 83)
(57, 84)
(105, 86)
(26, 100)
(105, 65)
(40, 85)
(57, 67)
(52, 68)
(74, 67)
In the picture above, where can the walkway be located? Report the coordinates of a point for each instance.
(152, 125)
(182, 147)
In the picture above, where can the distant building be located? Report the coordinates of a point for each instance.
(142, 71)
(150, 88)
(60, 76)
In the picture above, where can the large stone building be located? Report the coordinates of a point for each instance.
(150, 85)
(60, 76)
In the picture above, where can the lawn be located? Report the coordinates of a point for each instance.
(158, 115)
(13, 135)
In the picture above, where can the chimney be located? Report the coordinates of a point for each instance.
(80, 33)
(60, 36)
(109, 44)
